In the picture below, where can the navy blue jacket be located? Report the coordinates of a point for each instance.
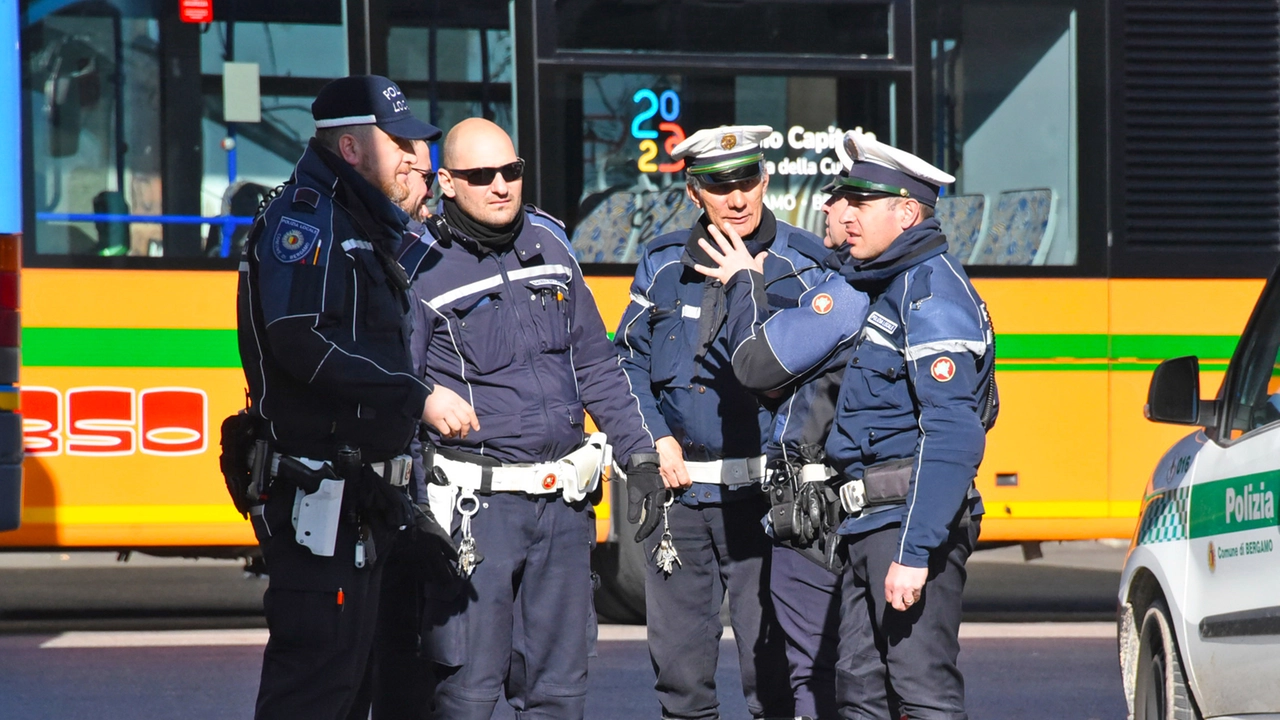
(918, 386)
(322, 319)
(801, 351)
(517, 334)
(675, 341)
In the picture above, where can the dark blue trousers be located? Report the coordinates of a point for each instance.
(806, 598)
(526, 622)
(902, 663)
(723, 548)
(316, 657)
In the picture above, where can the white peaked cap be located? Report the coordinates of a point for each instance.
(864, 148)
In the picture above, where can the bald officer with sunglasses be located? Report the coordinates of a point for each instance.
(514, 345)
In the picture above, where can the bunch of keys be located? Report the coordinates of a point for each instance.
(468, 558)
(665, 555)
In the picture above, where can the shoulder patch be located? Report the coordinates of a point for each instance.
(943, 369)
(883, 323)
(294, 240)
(822, 303)
(306, 196)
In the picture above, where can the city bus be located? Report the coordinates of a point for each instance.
(1116, 203)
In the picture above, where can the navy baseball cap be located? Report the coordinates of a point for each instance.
(369, 100)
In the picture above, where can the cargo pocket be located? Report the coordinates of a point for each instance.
(378, 304)
(876, 371)
(487, 348)
(549, 307)
(669, 344)
(444, 624)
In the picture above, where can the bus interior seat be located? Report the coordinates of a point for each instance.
(963, 219)
(1021, 229)
(616, 229)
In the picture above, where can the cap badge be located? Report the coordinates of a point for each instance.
(943, 369)
(822, 304)
(729, 142)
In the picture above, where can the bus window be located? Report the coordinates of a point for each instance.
(93, 85)
(295, 54)
(1006, 115)
(803, 27)
(628, 190)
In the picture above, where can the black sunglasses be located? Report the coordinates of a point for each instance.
(484, 176)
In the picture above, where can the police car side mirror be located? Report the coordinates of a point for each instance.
(1174, 395)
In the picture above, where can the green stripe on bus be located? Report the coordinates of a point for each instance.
(1159, 347)
(137, 347)
(129, 347)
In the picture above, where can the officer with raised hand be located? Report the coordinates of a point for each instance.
(799, 355)
(511, 329)
(703, 527)
(918, 395)
(322, 315)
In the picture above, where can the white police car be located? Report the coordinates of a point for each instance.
(1199, 617)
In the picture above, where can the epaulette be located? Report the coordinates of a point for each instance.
(535, 210)
(807, 244)
(679, 237)
(306, 197)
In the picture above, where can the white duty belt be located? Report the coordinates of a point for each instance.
(576, 474)
(730, 471)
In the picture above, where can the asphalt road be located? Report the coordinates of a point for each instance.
(1073, 678)
(1066, 670)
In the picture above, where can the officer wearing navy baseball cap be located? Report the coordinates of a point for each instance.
(322, 314)
(369, 100)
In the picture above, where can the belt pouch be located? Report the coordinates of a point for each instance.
(887, 483)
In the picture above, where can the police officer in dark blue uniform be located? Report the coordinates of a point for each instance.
(513, 342)
(322, 314)
(798, 354)
(711, 433)
(917, 398)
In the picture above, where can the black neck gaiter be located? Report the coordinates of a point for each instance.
(490, 238)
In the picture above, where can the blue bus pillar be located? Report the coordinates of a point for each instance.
(10, 269)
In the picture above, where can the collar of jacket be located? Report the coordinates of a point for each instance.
(757, 242)
(525, 243)
(909, 249)
(372, 211)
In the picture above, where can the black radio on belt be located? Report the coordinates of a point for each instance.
(797, 510)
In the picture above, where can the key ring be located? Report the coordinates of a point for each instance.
(671, 499)
(468, 504)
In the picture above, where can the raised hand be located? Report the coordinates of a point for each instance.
(730, 255)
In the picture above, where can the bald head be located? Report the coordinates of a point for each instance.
(476, 142)
(491, 198)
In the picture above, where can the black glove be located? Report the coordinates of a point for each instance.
(645, 493)
(430, 550)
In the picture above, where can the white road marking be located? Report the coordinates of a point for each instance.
(157, 638)
(608, 633)
(1013, 631)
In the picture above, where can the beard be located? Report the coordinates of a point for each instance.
(396, 192)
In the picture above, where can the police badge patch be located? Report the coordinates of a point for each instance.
(294, 240)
